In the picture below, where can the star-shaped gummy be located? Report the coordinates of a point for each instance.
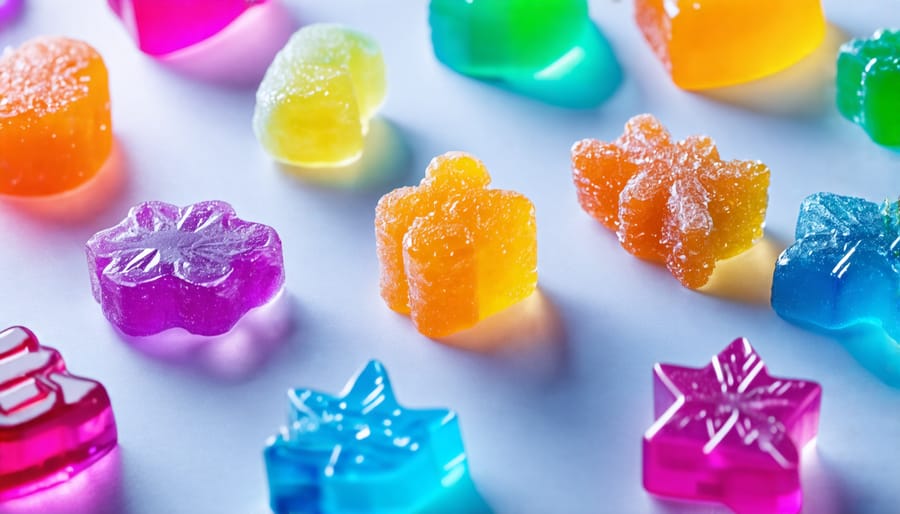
(868, 85)
(730, 433)
(52, 424)
(200, 268)
(362, 452)
(672, 202)
(844, 268)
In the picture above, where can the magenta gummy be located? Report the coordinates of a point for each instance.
(200, 268)
(730, 433)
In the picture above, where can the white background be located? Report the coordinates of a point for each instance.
(553, 418)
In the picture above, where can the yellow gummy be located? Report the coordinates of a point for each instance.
(314, 105)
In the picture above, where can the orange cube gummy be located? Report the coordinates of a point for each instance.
(713, 43)
(452, 251)
(672, 202)
(55, 129)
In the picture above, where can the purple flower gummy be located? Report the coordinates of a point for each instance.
(200, 268)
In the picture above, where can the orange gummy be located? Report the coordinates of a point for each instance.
(55, 129)
(452, 251)
(672, 202)
(713, 43)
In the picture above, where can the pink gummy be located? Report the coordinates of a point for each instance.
(52, 424)
(730, 433)
(164, 26)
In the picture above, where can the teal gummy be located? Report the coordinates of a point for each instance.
(868, 85)
(842, 277)
(361, 452)
(549, 50)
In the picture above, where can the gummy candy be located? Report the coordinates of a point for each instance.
(868, 85)
(55, 129)
(713, 43)
(8, 10)
(362, 452)
(200, 268)
(164, 26)
(730, 433)
(672, 202)
(52, 424)
(548, 50)
(315, 102)
(846, 257)
(452, 251)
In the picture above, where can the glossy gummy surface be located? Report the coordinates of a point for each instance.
(52, 424)
(314, 105)
(452, 251)
(730, 433)
(548, 50)
(164, 26)
(55, 128)
(200, 268)
(672, 202)
(362, 452)
(868, 85)
(713, 43)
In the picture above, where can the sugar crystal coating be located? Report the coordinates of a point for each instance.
(55, 129)
(672, 202)
(200, 268)
(362, 452)
(730, 433)
(52, 424)
(844, 268)
(713, 43)
(452, 251)
(868, 85)
(314, 105)
(164, 26)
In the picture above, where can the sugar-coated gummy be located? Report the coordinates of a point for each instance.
(164, 26)
(844, 268)
(730, 433)
(200, 268)
(868, 85)
(55, 128)
(314, 104)
(52, 424)
(451, 250)
(713, 43)
(549, 50)
(672, 202)
(362, 452)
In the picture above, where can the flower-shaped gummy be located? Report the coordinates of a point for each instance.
(52, 424)
(362, 452)
(673, 202)
(868, 85)
(200, 268)
(730, 433)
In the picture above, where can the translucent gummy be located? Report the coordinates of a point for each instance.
(362, 452)
(868, 85)
(672, 202)
(52, 424)
(200, 268)
(730, 433)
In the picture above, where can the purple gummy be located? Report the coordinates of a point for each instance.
(200, 268)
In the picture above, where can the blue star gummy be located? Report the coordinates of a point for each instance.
(362, 452)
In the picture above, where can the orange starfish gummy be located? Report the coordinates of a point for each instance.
(55, 128)
(672, 202)
(452, 251)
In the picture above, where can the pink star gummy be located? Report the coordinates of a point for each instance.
(730, 433)
(52, 424)
(200, 268)
(164, 26)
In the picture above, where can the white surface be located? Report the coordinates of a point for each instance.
(553, 421)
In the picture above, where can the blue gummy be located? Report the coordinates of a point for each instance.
(362, 452)
(842, 275)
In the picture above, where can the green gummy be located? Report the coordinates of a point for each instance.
(868, 85)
